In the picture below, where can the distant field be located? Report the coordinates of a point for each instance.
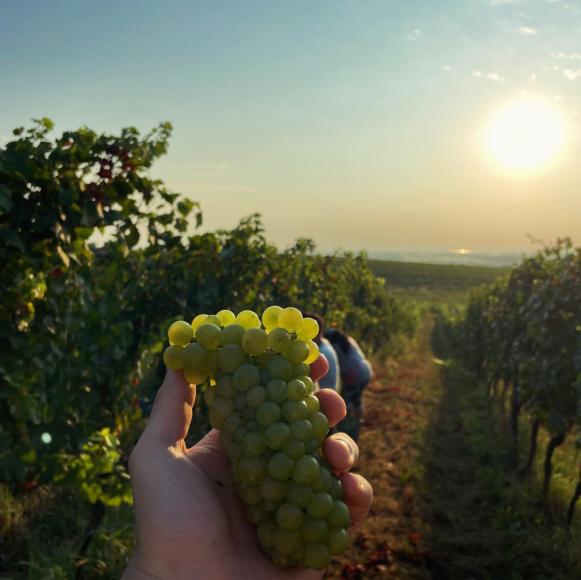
(442, 283)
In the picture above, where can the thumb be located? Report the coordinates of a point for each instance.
(171, 414)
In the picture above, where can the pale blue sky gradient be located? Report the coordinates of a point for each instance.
(352, 122)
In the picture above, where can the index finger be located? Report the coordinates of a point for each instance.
(333, 405)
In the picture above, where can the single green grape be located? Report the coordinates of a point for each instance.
(276, 391)
(289, 516)
(195, 376)
(254, 341)
(180, 333)
(246, 376)
(316, 556)
(297, 352)
(312, 446)
(287, 541)
(230, 357)
(277, 435)
(226, 317)
(279, 340)
(256, 396)
(301, 430)
(273, 489)
(222, 407)
(299, 494)
(306, 470)
(268, 413)
(300, 370)
(321, 505)
(240, 433)
(173, 357)
(295, 449)
(314, 530)
(225, 386)
(269, 505)
(337, 541)
(195, 356)
(198, 321)
(323, 482)
(253, 444)
(296, 390)
(251, 469)
(313, 404)
(248, 319)
(208, 335)
(290, 319)
(309, 329)
(295, 411)
(280, 466)
(232, 334)
(313, 352)
(320, 425)
(339, 516)
(232, 422)
(270, 316)
(308, 383)
(250, 494)
(336, 489)
(280, 368)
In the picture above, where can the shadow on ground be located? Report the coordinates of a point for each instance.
(483, 523)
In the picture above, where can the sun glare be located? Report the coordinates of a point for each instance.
(525, 135)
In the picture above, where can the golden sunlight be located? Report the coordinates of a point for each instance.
(525, 135)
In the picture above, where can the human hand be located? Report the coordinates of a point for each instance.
(190, 522)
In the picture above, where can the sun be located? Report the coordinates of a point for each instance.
(525, 135)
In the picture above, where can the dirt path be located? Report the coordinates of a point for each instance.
(398, 406)
(446, 506)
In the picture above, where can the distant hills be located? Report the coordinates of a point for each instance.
(442, 256)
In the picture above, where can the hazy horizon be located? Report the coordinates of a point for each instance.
(372, 124)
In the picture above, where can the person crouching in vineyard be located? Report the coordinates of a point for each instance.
(331, 380)
(356, 373)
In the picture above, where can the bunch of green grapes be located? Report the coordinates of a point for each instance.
(261, 399)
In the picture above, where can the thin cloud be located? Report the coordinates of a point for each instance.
(446, 68)
(528, 30)
(491, 76)
(494, 3)
(572, 75)
(566, 56)
(415, 34)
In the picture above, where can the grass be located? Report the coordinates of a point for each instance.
(434, 283)
(485, 522)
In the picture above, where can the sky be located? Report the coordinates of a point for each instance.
(359, 123)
